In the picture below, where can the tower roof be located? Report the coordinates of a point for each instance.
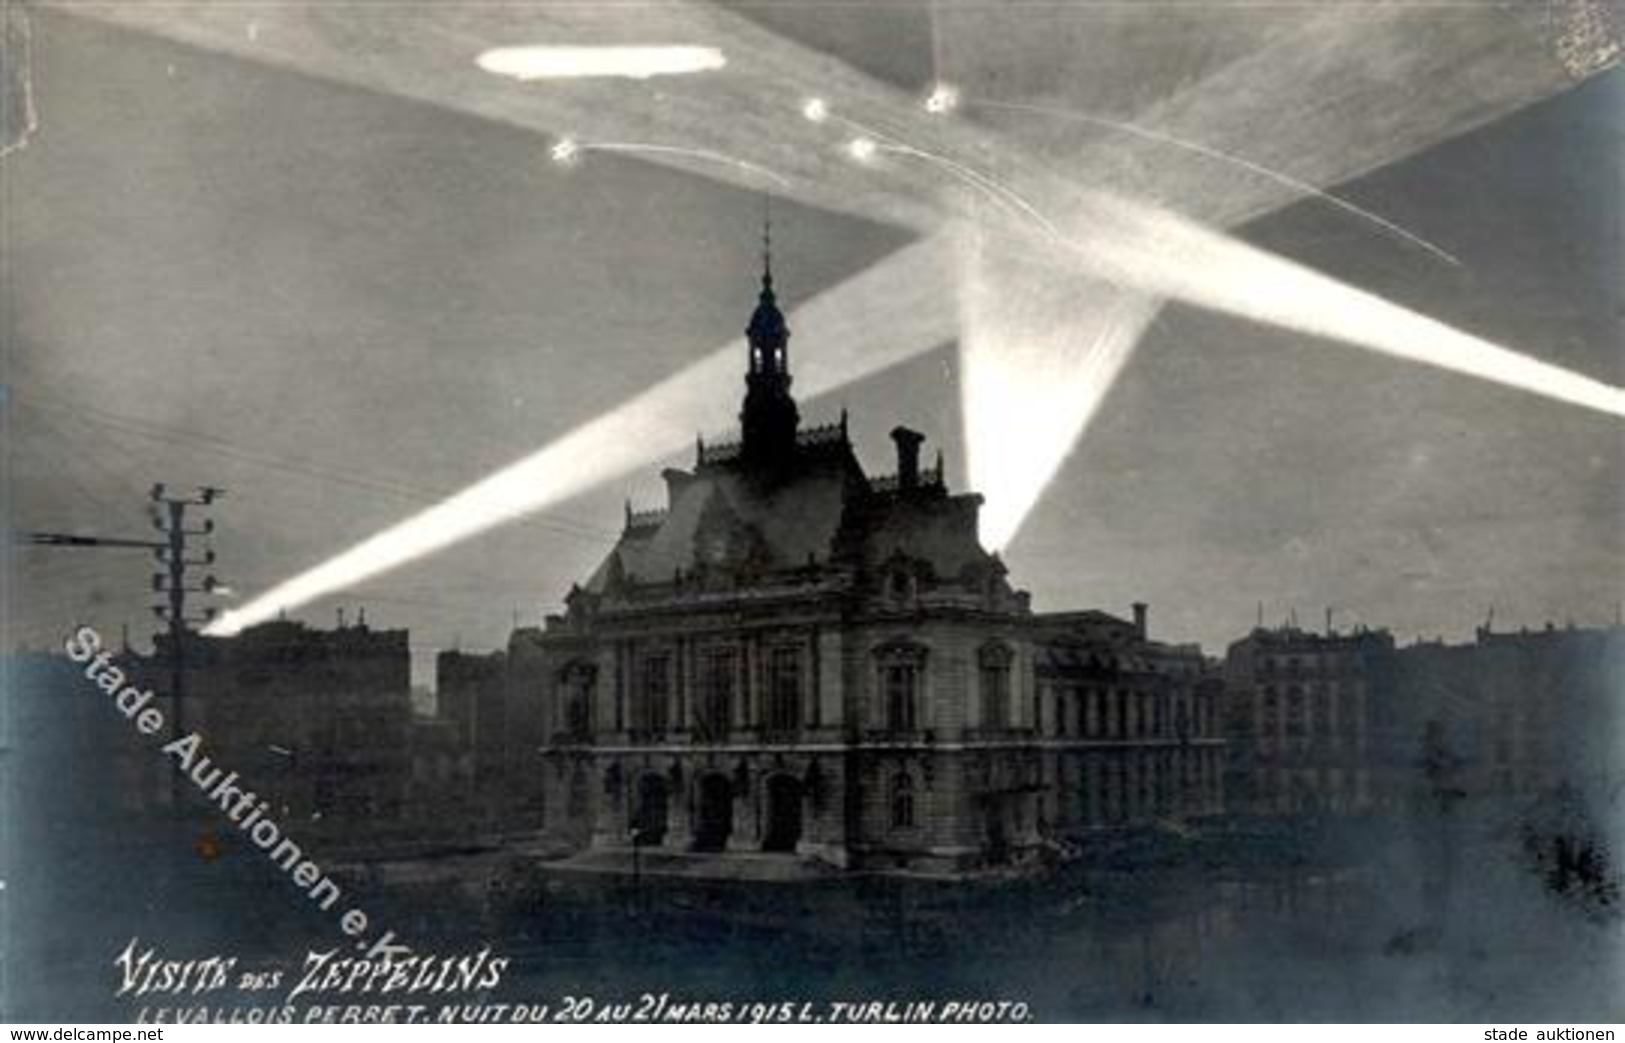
(769, 418)
(767, 327)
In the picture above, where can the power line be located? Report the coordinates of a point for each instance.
(120, 478)
(172, 550)
(210, 444)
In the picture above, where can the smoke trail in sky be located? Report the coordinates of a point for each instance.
(566, 151)
(1295, 184)
(1005, 196)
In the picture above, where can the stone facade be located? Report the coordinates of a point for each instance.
(1350, 724)
(1132, 728)
(1299, 720)
(794, 656)
(833, 707)
(320, 720)
(1506, 718)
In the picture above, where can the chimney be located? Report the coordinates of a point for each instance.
(1140, 609)
(908, 456)
(676, 482)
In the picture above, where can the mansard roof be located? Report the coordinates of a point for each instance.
(789, 500)
(724, 515)
(719, 516)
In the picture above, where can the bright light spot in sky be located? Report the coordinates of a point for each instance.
(861, 149)
(815, 109)
(638, 63)
(565, 151)
(1039, 350)
(943, 99)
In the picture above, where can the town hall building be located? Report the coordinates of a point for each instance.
(796, 656)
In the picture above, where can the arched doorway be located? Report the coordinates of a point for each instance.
(996, 841)
(783, 814)
(649, 815)
(714, 820)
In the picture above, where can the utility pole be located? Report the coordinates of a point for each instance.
(169, 517)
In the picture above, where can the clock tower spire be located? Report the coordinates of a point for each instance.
(769, 419)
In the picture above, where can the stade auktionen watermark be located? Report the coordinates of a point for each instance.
(243, 807)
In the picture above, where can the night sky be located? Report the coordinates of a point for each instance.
(342, 305)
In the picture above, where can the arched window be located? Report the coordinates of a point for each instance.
(575, 691)
(995, 660)
(651, 714)
(902, 801)
(714, 708)
(901, 681)
(784, 690)
(901, 668)
(578, 712)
